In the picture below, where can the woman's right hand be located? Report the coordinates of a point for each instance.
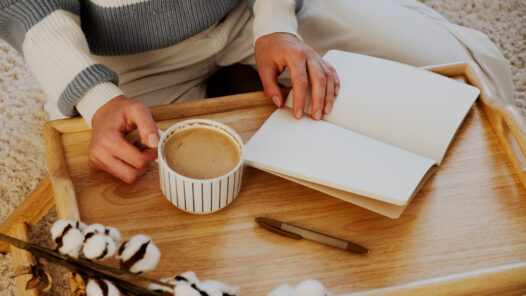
(109, 149)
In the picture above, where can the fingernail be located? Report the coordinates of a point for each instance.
(276, 101)
(153, 139)
(317, 115)
(299, 113)
(328, 108)
(336, 90)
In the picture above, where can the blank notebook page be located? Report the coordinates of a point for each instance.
(398, 104)
(326, 154)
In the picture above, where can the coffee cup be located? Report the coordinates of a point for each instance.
(197, 180)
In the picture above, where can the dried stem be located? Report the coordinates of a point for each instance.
(90, 269)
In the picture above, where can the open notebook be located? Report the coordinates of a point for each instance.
(390, 127)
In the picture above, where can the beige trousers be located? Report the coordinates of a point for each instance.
(401, 30)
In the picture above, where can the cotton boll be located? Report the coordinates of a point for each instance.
(96, 228)
(80, 226)
(185, 289)
(163, 289)
(310, 288)
(96, 287)
(98, 246)
(215, 288)
(283, 290)
(94, 245)
(170, 281)
(59, 226)
(69, 241)
(211, 288)
(113, 233)
(99, 228)
(139, 254)
(111, 248)
(188, 276)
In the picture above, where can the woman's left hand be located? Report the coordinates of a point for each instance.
(276, 51)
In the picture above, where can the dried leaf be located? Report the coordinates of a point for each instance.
(78, 284)
(41, 280)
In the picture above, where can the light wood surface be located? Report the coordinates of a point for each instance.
(22, 261)
(470, 216)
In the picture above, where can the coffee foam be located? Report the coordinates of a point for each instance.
(201, 153)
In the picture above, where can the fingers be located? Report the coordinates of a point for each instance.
(109, 150)
(318, 80)
(116, 145)
(329, 93)
(273, 52)
(335, 78)
(323, 79)
(117, 168)
(268, 75)
(113, 154)
(300, 82)
(139, 115)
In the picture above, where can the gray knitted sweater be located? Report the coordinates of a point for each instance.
(61, 38)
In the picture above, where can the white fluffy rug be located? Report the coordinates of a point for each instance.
(22, 160)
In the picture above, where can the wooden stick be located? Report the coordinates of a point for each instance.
(22, 260)
(30, 211)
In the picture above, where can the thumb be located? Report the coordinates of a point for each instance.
(142, 118)
(269, 75)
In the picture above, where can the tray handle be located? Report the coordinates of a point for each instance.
(507, 122)
(513, 137)
(64, 192)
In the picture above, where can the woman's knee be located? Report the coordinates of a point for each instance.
(391, 30)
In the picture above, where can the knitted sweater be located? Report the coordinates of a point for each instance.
(63, 41)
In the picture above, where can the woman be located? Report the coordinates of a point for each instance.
(93, 56)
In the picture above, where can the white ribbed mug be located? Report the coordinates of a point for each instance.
(200, 196)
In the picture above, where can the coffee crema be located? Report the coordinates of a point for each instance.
(201, 153)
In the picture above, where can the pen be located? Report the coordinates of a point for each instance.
(296, 232)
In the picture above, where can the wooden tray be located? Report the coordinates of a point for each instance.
(468, 220)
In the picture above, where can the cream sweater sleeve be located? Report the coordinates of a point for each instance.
(271, 16)
(49, 35)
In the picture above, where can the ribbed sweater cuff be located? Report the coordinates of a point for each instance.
(271, 16)
(95, 98)
(83, 82)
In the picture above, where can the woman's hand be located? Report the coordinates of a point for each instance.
(109, 150)
(276, 51)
